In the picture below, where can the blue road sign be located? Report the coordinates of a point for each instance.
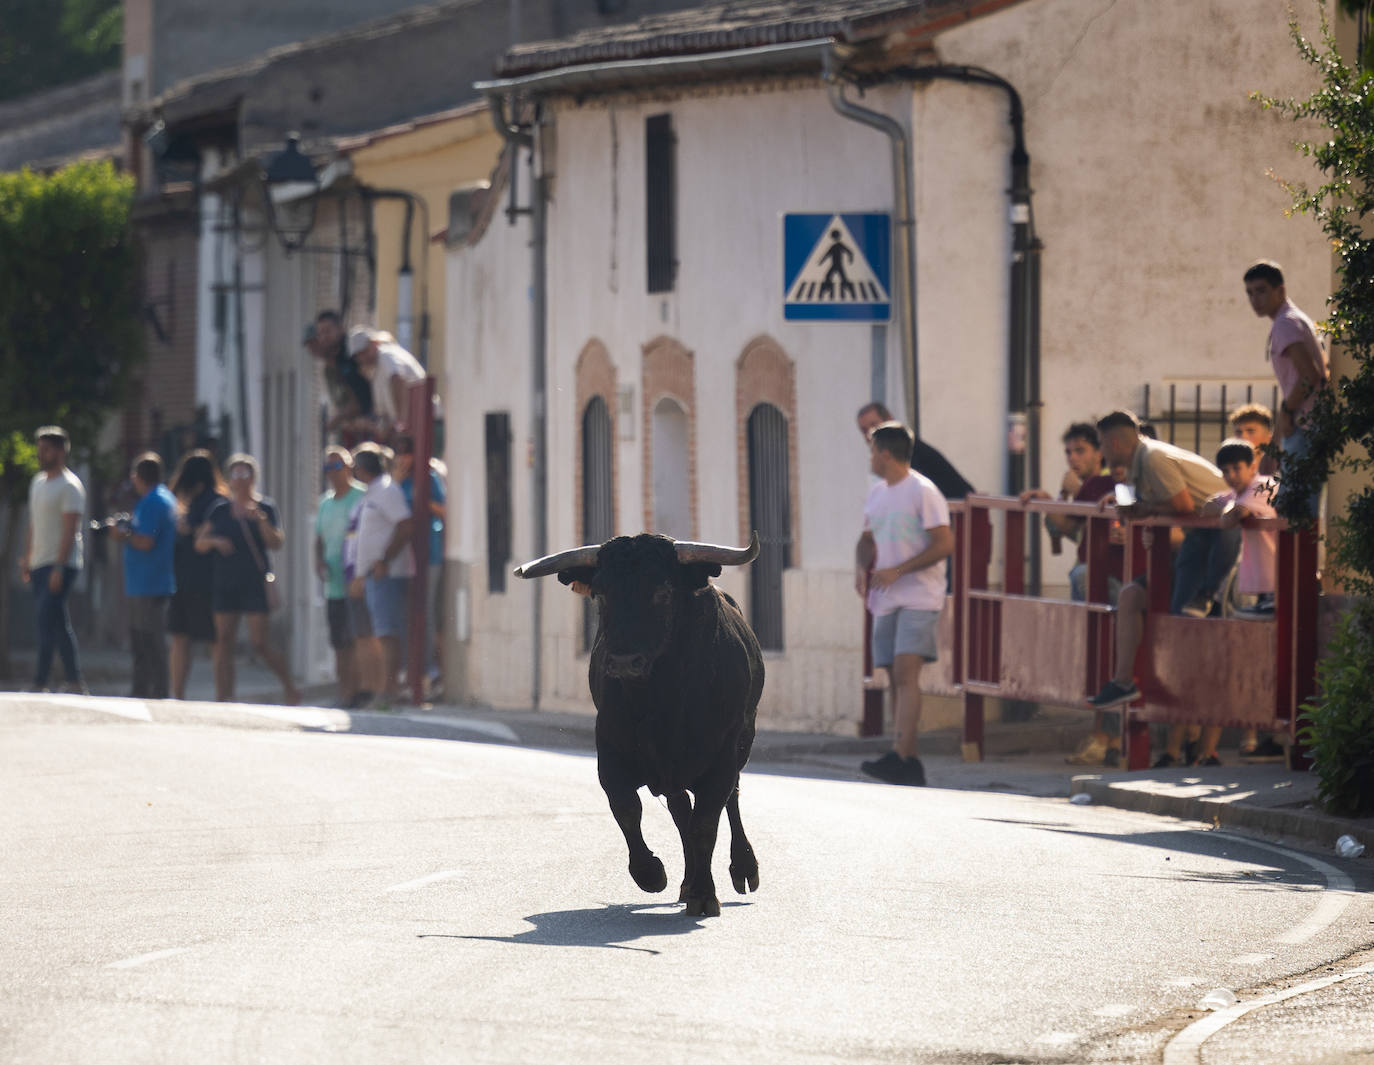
(837, 267)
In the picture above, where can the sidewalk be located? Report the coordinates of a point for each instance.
(1025, 758)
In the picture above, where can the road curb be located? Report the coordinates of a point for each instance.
(1307, 825)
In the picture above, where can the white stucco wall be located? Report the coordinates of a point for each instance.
(1148, 164)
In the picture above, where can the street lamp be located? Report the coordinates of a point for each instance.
(291, 185)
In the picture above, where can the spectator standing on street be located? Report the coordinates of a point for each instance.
(350, 393)
(1299, 361)
(241, 530)
(390, 369)
(404, 474)
(149, 539)
(384, 563)
(197, 486)
(925, 459)
(905, 541)
(53, 555)
(347, 617)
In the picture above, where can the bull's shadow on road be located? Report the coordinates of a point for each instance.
(614, 926)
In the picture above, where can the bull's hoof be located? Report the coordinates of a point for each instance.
(744, 878)
(649, 875)
(704, 907)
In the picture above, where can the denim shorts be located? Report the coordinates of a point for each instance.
(386, 605)
(905, 632)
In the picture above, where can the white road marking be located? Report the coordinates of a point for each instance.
(144, 959)
(305, 716)
(411, 885)
(1339, 893)
(495, 729)
(1184, 1048)
(442, 774)
(135, 709)
(1117, 1010)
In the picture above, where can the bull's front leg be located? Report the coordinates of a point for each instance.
(711, 794)
(623, 796)
(680, 806)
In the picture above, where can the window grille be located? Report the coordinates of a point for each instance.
(660, 200)
(597, 510)
(770, 514)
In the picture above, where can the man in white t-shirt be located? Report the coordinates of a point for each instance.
(905, 541)
(384, 563)
(53, 555)
(391, 369)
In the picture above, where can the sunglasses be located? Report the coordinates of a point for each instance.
(330, 467)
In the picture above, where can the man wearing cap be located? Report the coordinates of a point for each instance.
(53, 555)
(390, 368)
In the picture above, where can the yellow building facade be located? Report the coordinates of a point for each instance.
(426, 159)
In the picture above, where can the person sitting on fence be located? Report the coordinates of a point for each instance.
(1250, 495)
(1254, 423)
(1171, 481)
(1086, 480)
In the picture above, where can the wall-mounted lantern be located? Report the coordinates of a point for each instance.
(292, 193)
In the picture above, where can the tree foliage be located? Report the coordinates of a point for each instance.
(1341, 429)
(70, 334)
(44, 43)
(1338, 725)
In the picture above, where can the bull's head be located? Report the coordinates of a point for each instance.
(639, 584)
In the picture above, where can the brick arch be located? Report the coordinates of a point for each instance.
(594, 374)
(764, 374)
(669, 370)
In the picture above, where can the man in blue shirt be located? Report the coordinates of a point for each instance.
(149, 538)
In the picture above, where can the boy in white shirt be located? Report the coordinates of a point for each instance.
(906, 540)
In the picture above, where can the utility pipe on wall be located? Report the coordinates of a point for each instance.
(904, 222)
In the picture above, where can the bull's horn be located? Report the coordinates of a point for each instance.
(574, 559)
(724, 556)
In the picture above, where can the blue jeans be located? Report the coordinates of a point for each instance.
(54, 625)
(1296, 444)
(1202, 563)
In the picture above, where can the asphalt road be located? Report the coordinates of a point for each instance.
(207, 884)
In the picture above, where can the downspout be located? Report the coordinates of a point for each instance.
(904, 258)
(1023, 346)
(518, 137)
(406, 274)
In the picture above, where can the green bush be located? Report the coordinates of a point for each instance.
(1338, 726)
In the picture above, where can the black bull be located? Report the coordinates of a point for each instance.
(676, 675)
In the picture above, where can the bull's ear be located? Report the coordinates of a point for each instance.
(581, 573)
(699, 574)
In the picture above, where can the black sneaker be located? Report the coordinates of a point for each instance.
(891, 768)
(1266, 751)
(1211, 759)
(1112, 759)
(1114, 694)
(884, 768)
(1165, 761)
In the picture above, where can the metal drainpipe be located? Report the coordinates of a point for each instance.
(1023, 347)
(518, 137)
(903, 220)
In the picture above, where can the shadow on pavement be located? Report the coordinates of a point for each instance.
(613, 926)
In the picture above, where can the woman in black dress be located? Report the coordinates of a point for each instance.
(239, 532)
(197, 485)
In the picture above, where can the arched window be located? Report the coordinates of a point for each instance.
(598, 511)
(770, 514)
(672, 470)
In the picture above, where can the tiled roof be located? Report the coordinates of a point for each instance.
(729, 26)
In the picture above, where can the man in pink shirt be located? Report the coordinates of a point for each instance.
(1300, 363)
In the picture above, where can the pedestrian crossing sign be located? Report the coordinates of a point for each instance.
(837, 267)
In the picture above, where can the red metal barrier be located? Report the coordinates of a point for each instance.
(420, 424)
(1240, 673)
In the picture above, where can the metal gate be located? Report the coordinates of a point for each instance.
(770, 513)
(597, 512)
